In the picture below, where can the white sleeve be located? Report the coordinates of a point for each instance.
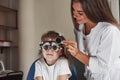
(107, 52)
(65, 68)
(38, 70)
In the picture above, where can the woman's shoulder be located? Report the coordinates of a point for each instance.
(108, 27)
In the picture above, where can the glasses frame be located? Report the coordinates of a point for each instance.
(50, 45)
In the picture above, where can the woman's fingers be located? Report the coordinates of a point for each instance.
(71, 46)
(68, 42)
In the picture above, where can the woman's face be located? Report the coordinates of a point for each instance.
(79, 14)
(50, 52)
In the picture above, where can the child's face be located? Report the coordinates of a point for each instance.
(51, 51)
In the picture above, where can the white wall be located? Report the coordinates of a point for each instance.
(115, 9)
(53, 15)
(27, 39)
(62, 17)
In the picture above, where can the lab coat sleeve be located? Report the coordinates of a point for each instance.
(106, 51)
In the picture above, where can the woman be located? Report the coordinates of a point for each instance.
(53, 63)
(98, 39)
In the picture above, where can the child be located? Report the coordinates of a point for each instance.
(53, 63)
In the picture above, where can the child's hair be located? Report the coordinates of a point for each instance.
(54, 35)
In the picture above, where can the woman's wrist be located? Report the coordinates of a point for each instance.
(76, 53)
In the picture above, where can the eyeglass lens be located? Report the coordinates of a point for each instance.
(50, 45)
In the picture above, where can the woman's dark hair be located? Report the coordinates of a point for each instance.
(96, 11)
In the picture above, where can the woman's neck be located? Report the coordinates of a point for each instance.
(88, 27)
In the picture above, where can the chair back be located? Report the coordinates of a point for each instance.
(31, 72)
(74, 73)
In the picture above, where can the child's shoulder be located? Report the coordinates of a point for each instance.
(62, 60)
(40, 61)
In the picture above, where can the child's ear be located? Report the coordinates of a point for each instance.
(40, 50)
(61, 51)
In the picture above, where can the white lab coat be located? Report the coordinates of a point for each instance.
(103, 47)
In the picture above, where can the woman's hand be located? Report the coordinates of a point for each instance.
(71, 47)
(74, 51)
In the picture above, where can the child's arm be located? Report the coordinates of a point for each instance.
(64, 71)
(63, 77)
(38, 74)
(38, 78)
